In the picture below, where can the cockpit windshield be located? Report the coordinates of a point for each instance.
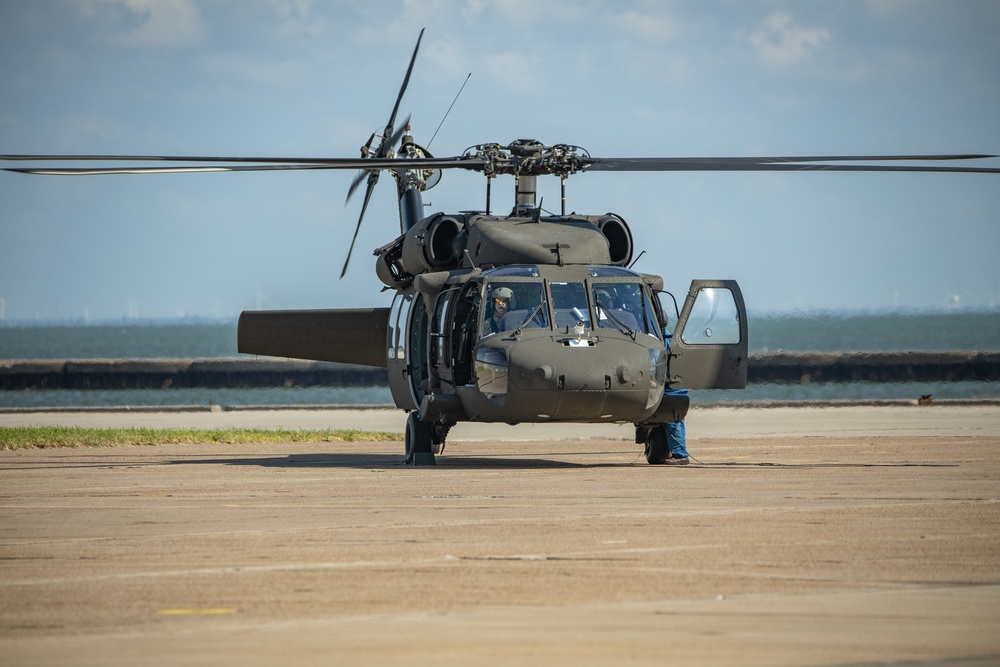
(514, 305)
(624, 306)
(569, 301)
(511, 303)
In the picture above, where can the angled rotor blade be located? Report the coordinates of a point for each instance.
(799, 163)
(368, 195)
(389, 139)
(399, 97)
(354, 185)
(394, 139)
(361, 175)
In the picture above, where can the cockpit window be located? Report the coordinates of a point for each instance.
(514, 305)
(611, 272)
(624, 306)
(569, 301)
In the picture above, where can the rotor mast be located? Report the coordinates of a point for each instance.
(409, 186)
(526, 188)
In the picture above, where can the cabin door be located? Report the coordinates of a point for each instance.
(708, 349)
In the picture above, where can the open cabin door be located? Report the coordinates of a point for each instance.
(709, 345)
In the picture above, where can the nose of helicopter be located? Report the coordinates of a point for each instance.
(601, 380)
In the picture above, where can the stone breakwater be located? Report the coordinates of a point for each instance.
(769, 367)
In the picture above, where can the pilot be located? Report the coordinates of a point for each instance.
(502, 303)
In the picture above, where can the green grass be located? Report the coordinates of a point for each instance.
(40, 437)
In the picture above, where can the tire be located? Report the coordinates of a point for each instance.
(657, 449)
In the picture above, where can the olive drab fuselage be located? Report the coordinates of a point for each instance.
(546, 360)
(577, 341)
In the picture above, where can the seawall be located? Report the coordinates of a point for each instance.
(770, 367)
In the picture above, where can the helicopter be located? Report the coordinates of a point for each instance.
(527, 317)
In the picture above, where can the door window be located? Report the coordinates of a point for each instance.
(714, 318)
(397, 324)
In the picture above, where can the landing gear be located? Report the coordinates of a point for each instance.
(419, 442)
(657, 449)
(439, 431)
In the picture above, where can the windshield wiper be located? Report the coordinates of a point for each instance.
(622, 328)
(530, 317)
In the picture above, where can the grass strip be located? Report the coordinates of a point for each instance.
(41, 437)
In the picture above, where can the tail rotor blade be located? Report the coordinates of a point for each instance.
(355, 183)
(389, 139)
(394, 139)
(402, 89)
(364, 207)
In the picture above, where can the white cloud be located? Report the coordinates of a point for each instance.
(516, 71)
(149, 23)
(531, 15)
(296, 18)
(779, 42)
(655, 28)
(81, 129)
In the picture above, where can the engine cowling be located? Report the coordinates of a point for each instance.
(434, 244)
(619, 238)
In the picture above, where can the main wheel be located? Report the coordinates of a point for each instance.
(418, 441)
(657, 449)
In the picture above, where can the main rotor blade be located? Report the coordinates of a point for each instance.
(485, 163)
(798, 163)
(105, 171)
(167, 158)
(608, 161)
(368, 164)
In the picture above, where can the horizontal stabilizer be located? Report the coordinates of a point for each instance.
(350, 336)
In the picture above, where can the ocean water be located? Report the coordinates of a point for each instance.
(801, 333)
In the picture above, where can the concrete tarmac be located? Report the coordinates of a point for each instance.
(801, 536)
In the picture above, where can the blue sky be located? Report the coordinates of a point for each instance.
(658, 78)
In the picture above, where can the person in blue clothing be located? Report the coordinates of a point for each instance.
(676, 433)
(676, 437)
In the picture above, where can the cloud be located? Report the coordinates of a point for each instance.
(779, 42)
(528, 14)
(83, 128)
(646, 26)
(514, 71)
(149, 23)
(296, 18)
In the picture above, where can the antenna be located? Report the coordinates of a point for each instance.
(636, 260)
(449, 110)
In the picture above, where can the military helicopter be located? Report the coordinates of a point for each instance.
(525, 317)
